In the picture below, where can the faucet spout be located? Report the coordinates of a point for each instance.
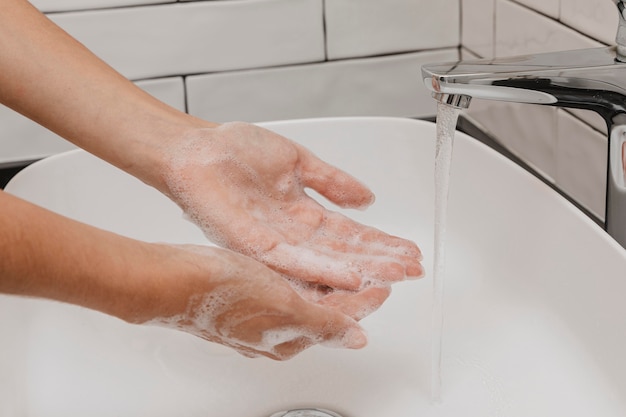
(591, 79)
(459, 101)
(567, 79)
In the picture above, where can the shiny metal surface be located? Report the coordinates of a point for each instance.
(591, 79)
(569, 78)
(306, 412)
(459, 101)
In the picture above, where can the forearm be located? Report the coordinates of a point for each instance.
(209, 292)
(51, 78)
(49, 256)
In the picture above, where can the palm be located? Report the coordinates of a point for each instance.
(244, 186)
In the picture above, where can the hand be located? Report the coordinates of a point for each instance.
(244, 186)
(210, 292)
(233, 300)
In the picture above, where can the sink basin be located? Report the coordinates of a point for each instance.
(535, 317)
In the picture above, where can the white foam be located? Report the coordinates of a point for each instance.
(313, 251)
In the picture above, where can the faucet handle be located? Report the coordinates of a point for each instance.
(621, 30)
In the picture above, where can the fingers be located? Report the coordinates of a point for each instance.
(337, 251)
(346, 265)
(357, 305)
(376, 254)
(325, 326)
(351, 338)
(349, 236)
(337, 186)
(312, 266)
(341, 331)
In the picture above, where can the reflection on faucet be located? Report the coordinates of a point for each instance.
(624, 160)
(592, 79)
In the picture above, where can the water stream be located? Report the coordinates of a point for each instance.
(446, 125)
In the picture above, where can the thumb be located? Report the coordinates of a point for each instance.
(351, 337)
(321, 325)
(339, 330)
(336, 185)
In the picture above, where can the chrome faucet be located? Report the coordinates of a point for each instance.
(591, 79)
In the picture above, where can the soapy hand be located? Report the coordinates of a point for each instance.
(233, 300)
(245, 187)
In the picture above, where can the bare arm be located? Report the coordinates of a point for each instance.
(209, 170)
(49, 256)
(53, 79)
(243, 185)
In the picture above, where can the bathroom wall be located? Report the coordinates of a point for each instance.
(567, 148)
(257, 60)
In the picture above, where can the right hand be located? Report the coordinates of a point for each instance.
(228, 298)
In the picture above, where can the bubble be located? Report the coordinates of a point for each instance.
(352, 338)
(272, 338)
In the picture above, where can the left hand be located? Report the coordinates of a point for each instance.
(245, 187)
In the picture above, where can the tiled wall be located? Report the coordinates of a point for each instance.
(257, 60)
(568, 148)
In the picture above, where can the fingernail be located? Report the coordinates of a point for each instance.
(416, 272)
(354, 338)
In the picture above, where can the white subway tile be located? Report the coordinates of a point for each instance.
(549, 7)
(562, 148)
(385, 86)
(466, 54)
(67, 5)
(357, 28)
(24, 140)
(169, 90)
(522, 31)
(582, 162)
(478, 22)
(591, 118)
(598, 19)
(528, 131)
(202, 36)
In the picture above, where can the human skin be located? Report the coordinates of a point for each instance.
(243, 185)
(49, 256)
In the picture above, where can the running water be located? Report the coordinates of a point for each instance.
(446, 125)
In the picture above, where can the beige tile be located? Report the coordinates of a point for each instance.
(598, 18)
(169, 90)
(466, 54)
(357, 28)
(202, 36)
(478, 22)
(521, 31)
(528, 131)
(385, 86)
(24, 140)
(592, 118)
(549, 7)
(582, 163)
(67, 5)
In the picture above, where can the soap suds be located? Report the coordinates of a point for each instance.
(258, 207)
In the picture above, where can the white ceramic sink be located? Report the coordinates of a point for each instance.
(535, 301)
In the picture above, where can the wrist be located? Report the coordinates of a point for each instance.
(162, 282)
(155, 157)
